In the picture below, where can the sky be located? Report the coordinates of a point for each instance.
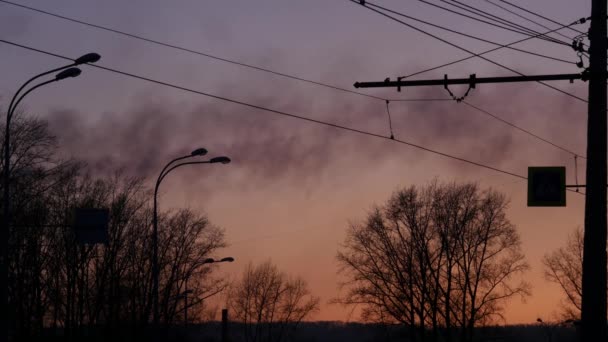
(294, 186)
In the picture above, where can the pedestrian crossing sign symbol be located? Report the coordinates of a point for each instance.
(547, 186)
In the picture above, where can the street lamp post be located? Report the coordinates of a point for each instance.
(164, 172)
(187, 292)
(66, 71)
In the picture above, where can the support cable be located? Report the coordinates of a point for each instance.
(490, 16)
(528, 19)
(457, 46)
(542, 37)
(538, 15)
(274, 111)
(390, 123)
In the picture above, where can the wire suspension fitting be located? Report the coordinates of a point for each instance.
(576, 171)
(390, 123)
(459, 99)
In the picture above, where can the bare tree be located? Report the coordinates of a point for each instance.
(54, 282)
(564, 267)
(438, 257)
(269, 303)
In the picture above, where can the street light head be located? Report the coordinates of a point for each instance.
(227, 259)
(199, 152)
(222, 159)
(88, 58)
(208, 261)
(71, 72)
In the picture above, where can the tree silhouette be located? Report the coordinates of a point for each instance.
(270, 304)
(434, 258)
(56, 283)
(564, 267)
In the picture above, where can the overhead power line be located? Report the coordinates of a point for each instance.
(521, 129)
(259, 68)
(494, 115)
(528, 19)
(480, 53)
(130, 35)
(200, 53)
(367, 5)
(539, 15)
(493, 17)
(274, 111)
(486, 40)
(548, 39)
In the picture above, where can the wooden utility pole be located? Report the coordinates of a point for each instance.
(593, 315)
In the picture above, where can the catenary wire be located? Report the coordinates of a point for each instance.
(274, 111)
(184, 49)
(522, 129)
(484, 40)
(454, 45)
(297, 78)
(480, 53)
(253, 66)
(539, 15)
(496, 116)
(490, 16)
(527, 19)
(548, 39)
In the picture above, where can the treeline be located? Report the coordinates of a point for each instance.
(375, 332)
(438, 260)
(55, 283)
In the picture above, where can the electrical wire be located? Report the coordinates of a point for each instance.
(522, 129)
(274, 111)
(452, 44)
(281, 74)
(259, 68)
(490, 16)
(180, 48)
(479, 54)
(539, 15)
(527, 19)
(485, 40)
(541, 25)
(184, 49)
(496, 116)
(580, 33)
(548, 39)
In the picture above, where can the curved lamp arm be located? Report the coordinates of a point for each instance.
(11, 106)
(84, 59)
(10, 113)
(182, 164)
(198, 152)
(214, 160)
(67, 73)
(162, 172)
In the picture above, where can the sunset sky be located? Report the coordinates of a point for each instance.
(294, 186)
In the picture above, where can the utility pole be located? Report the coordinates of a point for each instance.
(224, 325)
(594, 308)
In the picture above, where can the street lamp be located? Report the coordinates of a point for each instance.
(66, 71)
(163, 173)
(211, 260)
(187, 292)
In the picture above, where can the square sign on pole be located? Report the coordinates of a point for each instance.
(91, 225)
(547, 186)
